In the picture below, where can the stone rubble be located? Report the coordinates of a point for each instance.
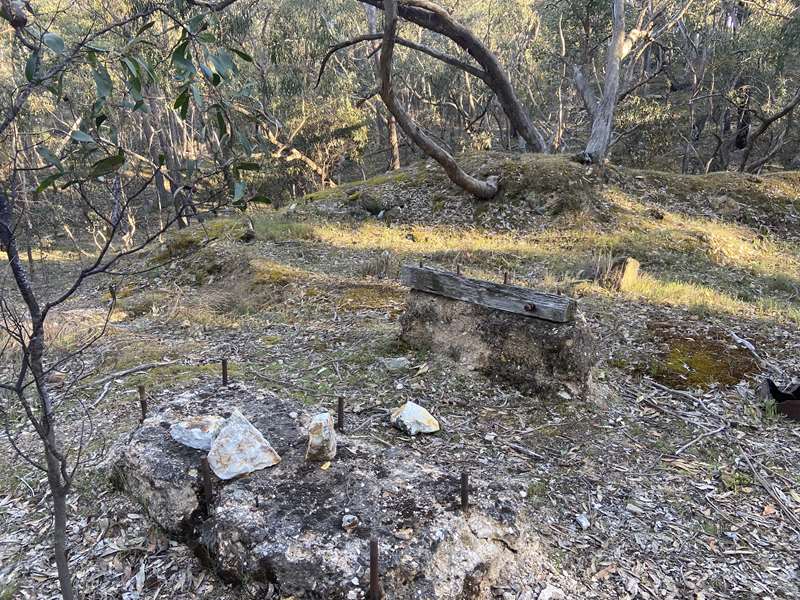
(305, 531)
(413, 419)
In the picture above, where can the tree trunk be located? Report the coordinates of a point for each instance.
(603, 118)
(43, 424)
(394, 145)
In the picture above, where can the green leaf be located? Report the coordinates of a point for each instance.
(248, 166)
(108, 164)
(181, 58)
(81, 136)
(223, 63)
(196, 23)
(144, 28)
(47, 181)
(223, 129)
(134, 78)
(238, 190)
(102, 81)
(198, 97)
(54, 42)
(206, 37)
(182, 103)
(50, 158)
(145, 74)
(242, 54)
(96, 47)
(260, 199)
(31, 65)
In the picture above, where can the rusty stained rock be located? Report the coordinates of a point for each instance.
(321, 438)
(240, 449)
(413, 419)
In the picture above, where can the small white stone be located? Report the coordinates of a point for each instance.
(551, 592)
(321, 438)
(197, 432)
(240, 448)
(583, 521)
(399, 363)
(352, 595)
(414, 419)
(350, 523)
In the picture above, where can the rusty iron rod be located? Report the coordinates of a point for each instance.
(464, 491)
(142, 402)
(224, 371)
(374, 576)
(206, 485)
(505, 278)
(340, 415)
(458, 269)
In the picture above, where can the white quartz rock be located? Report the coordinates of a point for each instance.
(414, 419)
(240, 448)
(197, 432)
(321, 438)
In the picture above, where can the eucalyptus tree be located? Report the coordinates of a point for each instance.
(76, 84)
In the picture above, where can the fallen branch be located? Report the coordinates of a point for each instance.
(526, 451)
(688, 445)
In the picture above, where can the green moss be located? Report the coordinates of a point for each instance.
(700, 363)
(174, 376)
(144, 302)
(8, 591)
(389, 177)
(735, 480)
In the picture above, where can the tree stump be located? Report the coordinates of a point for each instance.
(624, 271)
(531, 354)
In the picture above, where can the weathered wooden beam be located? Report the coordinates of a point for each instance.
(509, 298)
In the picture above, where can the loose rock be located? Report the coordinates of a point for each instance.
(240, 448)
(350, 523)
(399, 363)
(551, 592)
(321, 438)
(197, 432)
(414, 419)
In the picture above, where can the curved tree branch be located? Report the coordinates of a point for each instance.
(433, 17)
(445, 58)
(481, 189)
(766, 122)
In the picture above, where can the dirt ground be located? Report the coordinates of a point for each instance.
(670, 482)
